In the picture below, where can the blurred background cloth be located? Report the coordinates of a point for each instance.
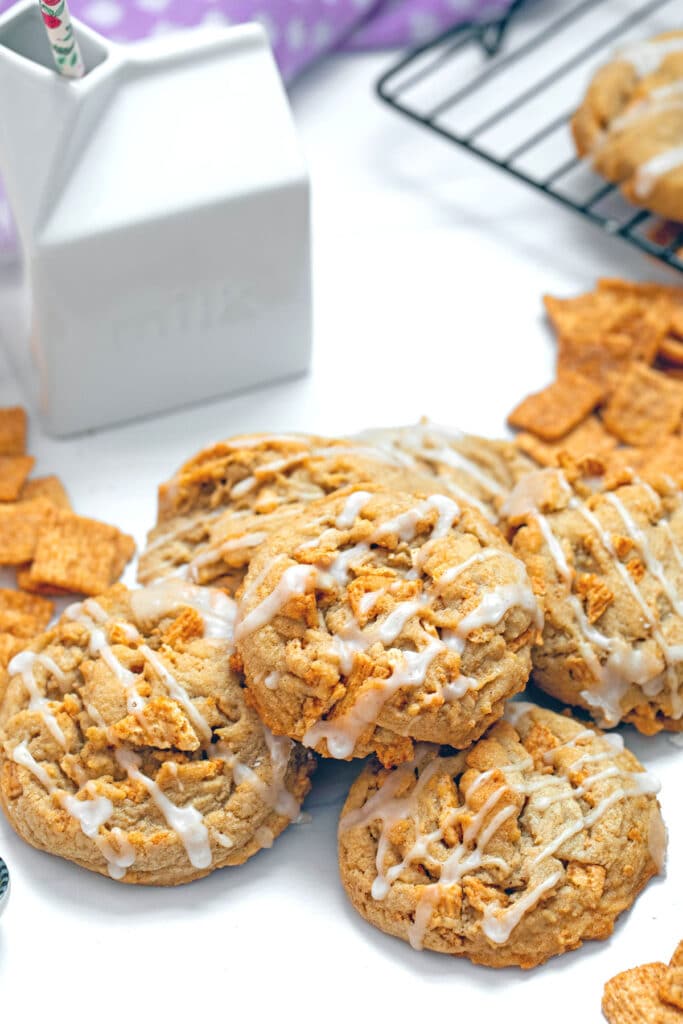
(301, 31)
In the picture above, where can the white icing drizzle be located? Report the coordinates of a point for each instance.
(649, 173)
(22, 665)
(623, 664)
(409, 668)
(352, 508)
(479, 827)
(92, 813)
(646, 56)
(187, 822)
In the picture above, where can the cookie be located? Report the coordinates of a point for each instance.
(127, 747)
(227, 499)
(378, 618)
(518, 849)
(467, 467)
(608, 569)
(630, 123)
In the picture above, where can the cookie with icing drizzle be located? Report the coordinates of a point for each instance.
(226, 500)
(379, 618)
(468, 468)
(630, 123)
(126, 744)
(608, 568)
(522, 847)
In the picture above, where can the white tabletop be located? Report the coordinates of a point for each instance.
(428, 274)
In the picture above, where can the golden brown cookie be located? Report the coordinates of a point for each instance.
(469, 468)
(379, 618)
(608, 569)
(126, 744)
(522, 847)
(631, 123)
(227, 499)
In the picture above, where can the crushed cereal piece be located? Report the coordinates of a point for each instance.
(13, 472)
(677, 958)
(78, 554)
(48, 487)
(554, 411)
(20, 524)
(596, 595)
(13, 431)
(644, 407)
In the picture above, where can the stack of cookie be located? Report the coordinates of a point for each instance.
(354, 598)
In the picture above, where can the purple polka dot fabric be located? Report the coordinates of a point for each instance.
(301, 31)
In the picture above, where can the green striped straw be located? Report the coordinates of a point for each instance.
(60, 34)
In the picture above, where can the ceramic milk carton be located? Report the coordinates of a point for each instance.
(163, 209)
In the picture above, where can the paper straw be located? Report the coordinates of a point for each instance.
(60, 34)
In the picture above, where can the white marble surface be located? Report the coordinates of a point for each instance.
(429, 271)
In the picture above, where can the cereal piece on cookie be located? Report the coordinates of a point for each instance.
(588, 440)
(48, 487)
(13, 424)
(557, 409)
(14, 469)
(20, 524)
(644, 407)
(82, 555)
(609, 567)
(378, 618)
(128, 746)
(520, 848)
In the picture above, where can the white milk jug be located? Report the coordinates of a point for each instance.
(162, 205)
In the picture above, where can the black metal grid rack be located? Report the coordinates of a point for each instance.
(505, 89)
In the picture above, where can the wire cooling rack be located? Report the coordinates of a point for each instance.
(505, 89)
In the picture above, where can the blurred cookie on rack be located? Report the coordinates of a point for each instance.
(127, 746)
(630, 124)
(520, 848)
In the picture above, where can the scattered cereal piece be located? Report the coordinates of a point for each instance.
(25, 582)
(20, 524)
(671, 987)
(644, 407)
(632, 998)
(18, 624)
(13, 431)
(677, 958)
(13, 472)
(554, 411)
(48, 487)
(37, 607)
(79, 554)
(9, 646)
(589, 439)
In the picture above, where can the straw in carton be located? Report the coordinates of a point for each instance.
(63, 42)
